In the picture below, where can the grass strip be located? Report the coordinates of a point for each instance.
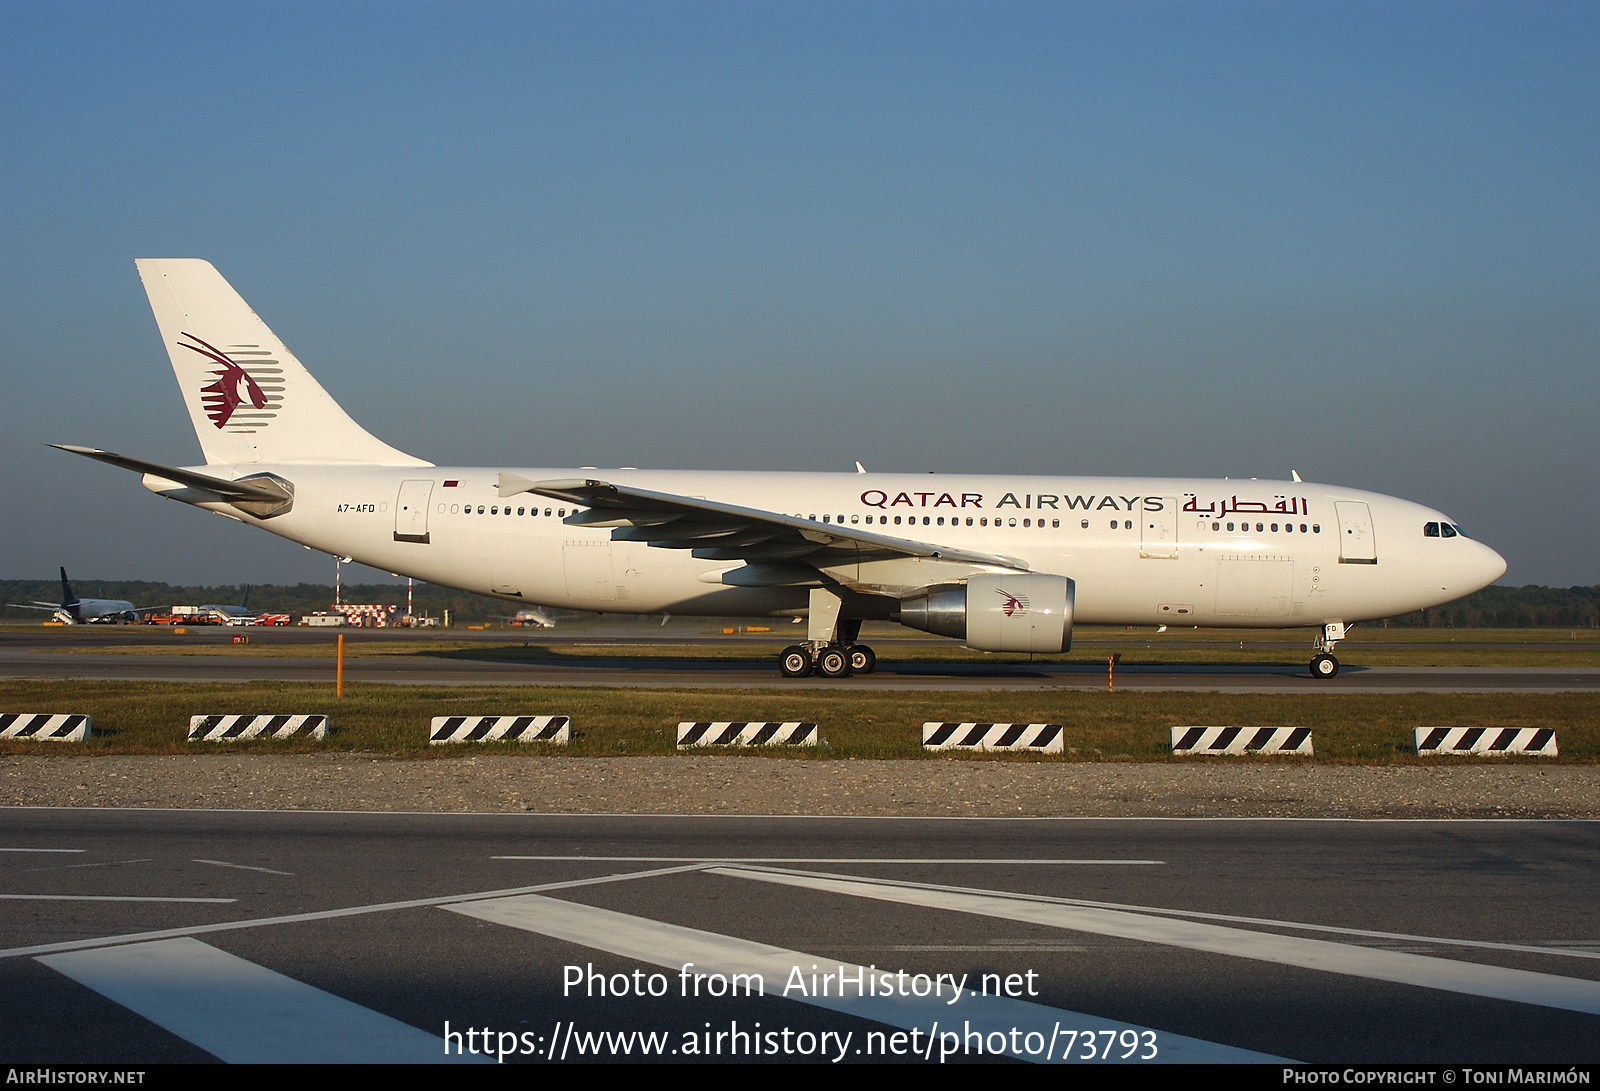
(153, 718)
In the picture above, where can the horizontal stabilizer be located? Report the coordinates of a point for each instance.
(255, 490)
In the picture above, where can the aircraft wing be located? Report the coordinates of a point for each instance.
(730, 532)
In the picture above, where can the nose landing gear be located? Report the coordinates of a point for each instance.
(1323, 663)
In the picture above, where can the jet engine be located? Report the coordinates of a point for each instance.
(1026, 612)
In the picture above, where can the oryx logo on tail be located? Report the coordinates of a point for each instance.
(233, 385)
(1014, 604)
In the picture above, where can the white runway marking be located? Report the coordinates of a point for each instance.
(669, 945)
(243, 867)
(109, 898)
(814, 860)
(43, 850)
(241, 1012)
(1472, 978)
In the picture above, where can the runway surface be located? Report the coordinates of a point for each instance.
(648, 656)
(744, 673)
(145, 936)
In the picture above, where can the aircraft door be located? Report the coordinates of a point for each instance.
(587, 565)
(1158, 535)
(1357, 544)
(411, 511)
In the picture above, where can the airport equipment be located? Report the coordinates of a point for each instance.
(550, 729)
(1486, 741)
(746, 733)
(237, 728)
(370, 615)
(995, 561)
(1242, 740)
(1038, 738)
(51, 727)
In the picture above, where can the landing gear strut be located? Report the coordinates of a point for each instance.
(1323, 663)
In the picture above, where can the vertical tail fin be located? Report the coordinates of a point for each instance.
(67, 597)
(250, 400)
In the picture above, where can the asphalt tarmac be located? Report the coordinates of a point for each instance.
(37, 653)
(136, 937)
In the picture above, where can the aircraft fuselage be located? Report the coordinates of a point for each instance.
(1141, 550)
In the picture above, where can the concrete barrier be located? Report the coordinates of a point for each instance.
(743, 733)
(1038, 738)
(238, 728)
(52, 727)
(1242, 740)
(550, 729)
(1486, 741)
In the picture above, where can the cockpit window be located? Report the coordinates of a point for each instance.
(1449, 531)
(1430, 530)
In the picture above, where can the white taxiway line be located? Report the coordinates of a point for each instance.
(1471, 978)
(320, 915)
(671, 946)
(243, 867)
(812, 860)
(241, 1012)
(1589, 949)
(109, 898)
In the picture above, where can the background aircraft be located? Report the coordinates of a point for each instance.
(72, 610)
(233, 615)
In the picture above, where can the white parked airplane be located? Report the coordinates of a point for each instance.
(1003, 563)
(72, 610)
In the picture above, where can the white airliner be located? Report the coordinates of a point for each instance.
(72, 610)
(1002, 563)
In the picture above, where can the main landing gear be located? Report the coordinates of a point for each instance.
(830, 648)
(1323, 664)
(830, 660)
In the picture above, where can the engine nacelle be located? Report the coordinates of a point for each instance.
(1028, 612)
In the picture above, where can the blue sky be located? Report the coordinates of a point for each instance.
(1221, 239)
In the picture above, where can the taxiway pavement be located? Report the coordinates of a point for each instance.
(143, 936)
(691, 673)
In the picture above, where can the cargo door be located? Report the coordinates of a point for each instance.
(411, 511)
(588, 571)
(1158, 536)
(1250, 585)
(1357, 545)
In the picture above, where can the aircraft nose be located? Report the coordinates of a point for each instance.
(1490, 565)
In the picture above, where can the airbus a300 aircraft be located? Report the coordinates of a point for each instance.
(1002, 563)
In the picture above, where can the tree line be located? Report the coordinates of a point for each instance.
(1532, 606)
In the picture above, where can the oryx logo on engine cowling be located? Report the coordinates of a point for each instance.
(233, 385)
(1014, 604)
